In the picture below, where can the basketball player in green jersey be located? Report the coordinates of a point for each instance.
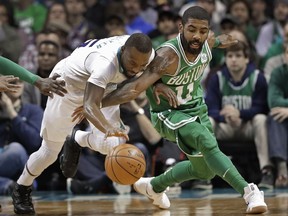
(183, 118)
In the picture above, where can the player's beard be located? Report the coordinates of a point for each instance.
(186, 45)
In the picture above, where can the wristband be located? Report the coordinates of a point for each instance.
(217, 43)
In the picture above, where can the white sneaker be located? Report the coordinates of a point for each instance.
(143, 186)
(254, 199)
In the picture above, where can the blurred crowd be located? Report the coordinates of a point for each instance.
(37, 34)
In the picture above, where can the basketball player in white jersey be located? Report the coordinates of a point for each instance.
(90, 72)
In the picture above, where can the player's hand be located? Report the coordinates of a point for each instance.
(226, 40)
(8, 83)
(48, 86)
(78, 114)
(165, 91)
(118, 132)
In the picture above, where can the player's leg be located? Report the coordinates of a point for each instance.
(56, 124)
(92, 138)
(195, 136)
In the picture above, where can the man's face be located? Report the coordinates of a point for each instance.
(48, 57)
(132, 7)
(241, 12)
(166, 25)
(236, 61)
(193, 35)
(281, 12)
(133, 61)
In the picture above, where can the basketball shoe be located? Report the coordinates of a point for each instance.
(22, 199)
(254, 199)
(143, 186)
(71, 152)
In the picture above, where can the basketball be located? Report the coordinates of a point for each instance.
(125, 164)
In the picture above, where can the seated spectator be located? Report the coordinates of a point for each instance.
(28, 59)
(10, 41)
(241, 10)
(134, 21)
(272, 32)
(48, 56)
(275, 55)
(81, 28)
(19, 131)
(166, 26)
(115, 26)
(56, 21)
(237, 105)
(278, 121)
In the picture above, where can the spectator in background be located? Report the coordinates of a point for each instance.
(57, 22)
(48, 56)
(241, 10)
(134, 21)
(10, 41)
(115, 26)
(258, 15)
(96, 12)
(81, 28)
(227, 24)
(274, 57)
(273, 32)
(19, 131)
(28, 58)
(166, 26)
(30, 16)
(237, 105)
(278, 120)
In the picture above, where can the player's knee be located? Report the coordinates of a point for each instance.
(206, 174)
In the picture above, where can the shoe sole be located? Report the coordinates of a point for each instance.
(68, 173)
(23, 213)
(258, 210)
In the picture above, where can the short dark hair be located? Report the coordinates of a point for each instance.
(140, 41)
(240, 46)
(49, 42)
(195, 12)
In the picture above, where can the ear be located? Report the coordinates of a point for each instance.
(181, 28)
(247, 60)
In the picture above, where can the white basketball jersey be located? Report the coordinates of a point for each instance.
(95, 61)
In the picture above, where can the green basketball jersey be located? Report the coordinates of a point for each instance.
(186, 80)
(238, 96)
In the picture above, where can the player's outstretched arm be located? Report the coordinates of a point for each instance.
(91, 110)
(47, 86)
(162, 64)
(221, 41)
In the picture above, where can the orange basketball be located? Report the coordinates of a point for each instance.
(125, 164)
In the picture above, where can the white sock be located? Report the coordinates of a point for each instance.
(97, 142)
(38, 162)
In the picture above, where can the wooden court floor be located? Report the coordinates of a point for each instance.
(189, 202)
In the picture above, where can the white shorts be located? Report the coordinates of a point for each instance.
(57, 121)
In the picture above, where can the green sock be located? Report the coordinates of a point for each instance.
(178, 173)
(223, 167)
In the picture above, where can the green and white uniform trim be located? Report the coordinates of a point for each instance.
(186, 83)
